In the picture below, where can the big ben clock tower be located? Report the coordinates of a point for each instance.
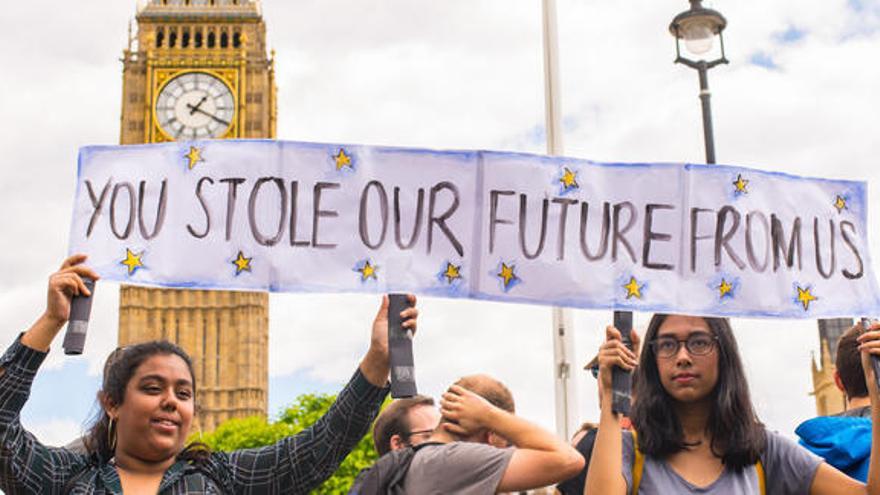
(199, 69)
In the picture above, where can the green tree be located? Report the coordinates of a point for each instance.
(255, 431)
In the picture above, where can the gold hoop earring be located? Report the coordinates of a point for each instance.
(111, 435)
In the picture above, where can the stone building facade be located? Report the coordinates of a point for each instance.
(200, 69)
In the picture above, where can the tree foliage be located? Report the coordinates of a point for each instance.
(256, 431)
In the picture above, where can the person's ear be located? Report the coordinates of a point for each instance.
(396, 442)
(107, 405)
(496, 440)
(491, 438)
(839, 382)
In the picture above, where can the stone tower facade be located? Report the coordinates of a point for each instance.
(829, 398)
(199, 69)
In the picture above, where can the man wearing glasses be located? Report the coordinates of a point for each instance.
(405, 423)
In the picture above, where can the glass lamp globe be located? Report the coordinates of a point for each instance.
(698, 38)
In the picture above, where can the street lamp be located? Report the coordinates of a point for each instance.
(698, 27)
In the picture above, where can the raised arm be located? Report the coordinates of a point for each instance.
(299, 463)
(27, 466)
(605, 474)
(870, 347)
(830, 481)
(540, 459)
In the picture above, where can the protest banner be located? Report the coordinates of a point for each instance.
(305, 217)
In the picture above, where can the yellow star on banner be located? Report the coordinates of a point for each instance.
(194, 156)
(507, 274)
(633, 289)
(342, 160)
(840, 204)
(368, 271)
(805, 297)
(569, 179)
(725, 289)
(740, 184)
(242, 264)
(132, 261)
(452, 272)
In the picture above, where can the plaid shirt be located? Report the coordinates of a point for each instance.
(293, 465)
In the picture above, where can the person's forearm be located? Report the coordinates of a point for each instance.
(21, 453)
(604, 474)
(874, 467)
(40, 335)
(314, 454)
(523, 434)
(375, 368)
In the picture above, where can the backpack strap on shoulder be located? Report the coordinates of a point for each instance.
(762, 478)
(639, 467)
(638, 464)
(422, 445)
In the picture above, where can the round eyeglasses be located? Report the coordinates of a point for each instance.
(697, 344)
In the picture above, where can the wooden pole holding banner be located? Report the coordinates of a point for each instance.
(562, 333)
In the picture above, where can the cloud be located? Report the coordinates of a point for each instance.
(791, 35)
(56, 432)
(764, 60)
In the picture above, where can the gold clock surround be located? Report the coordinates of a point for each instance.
(163, 76)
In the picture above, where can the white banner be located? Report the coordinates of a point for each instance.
(303, 217)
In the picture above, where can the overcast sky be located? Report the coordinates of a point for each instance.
(800, 95)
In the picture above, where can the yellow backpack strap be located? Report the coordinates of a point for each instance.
(639, 465)
(762, 481)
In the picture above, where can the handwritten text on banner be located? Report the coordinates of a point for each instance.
(301, 217)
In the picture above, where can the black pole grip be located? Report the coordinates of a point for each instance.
(621, 380)
(78, 324)
(400, 351)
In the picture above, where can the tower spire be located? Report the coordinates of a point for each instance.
(187, 49)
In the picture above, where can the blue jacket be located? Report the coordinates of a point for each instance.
(844, 442)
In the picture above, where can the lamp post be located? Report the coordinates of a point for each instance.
(565, 391)
(698, 27)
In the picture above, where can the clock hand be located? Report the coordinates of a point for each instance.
(193, 109)
(218, 119)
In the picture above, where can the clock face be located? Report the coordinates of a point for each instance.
(195, 105)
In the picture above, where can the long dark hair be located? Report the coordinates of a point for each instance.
(738, 436)
(118, 371)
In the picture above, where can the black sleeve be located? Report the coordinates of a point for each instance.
(575, 485)
(26, 465)
(299, 463)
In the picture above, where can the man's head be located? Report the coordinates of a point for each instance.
(405, 422)
(497, 394)
(850, 376)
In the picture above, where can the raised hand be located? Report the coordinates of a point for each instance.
(869, 345)
(63, 285)
(613, 352)
(375, 365)
(467, 411)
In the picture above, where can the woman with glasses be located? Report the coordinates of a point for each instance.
(696, 428)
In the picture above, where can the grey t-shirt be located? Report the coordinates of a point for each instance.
(465, 468)
(788, 468)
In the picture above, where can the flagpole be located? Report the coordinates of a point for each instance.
(563, 336)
